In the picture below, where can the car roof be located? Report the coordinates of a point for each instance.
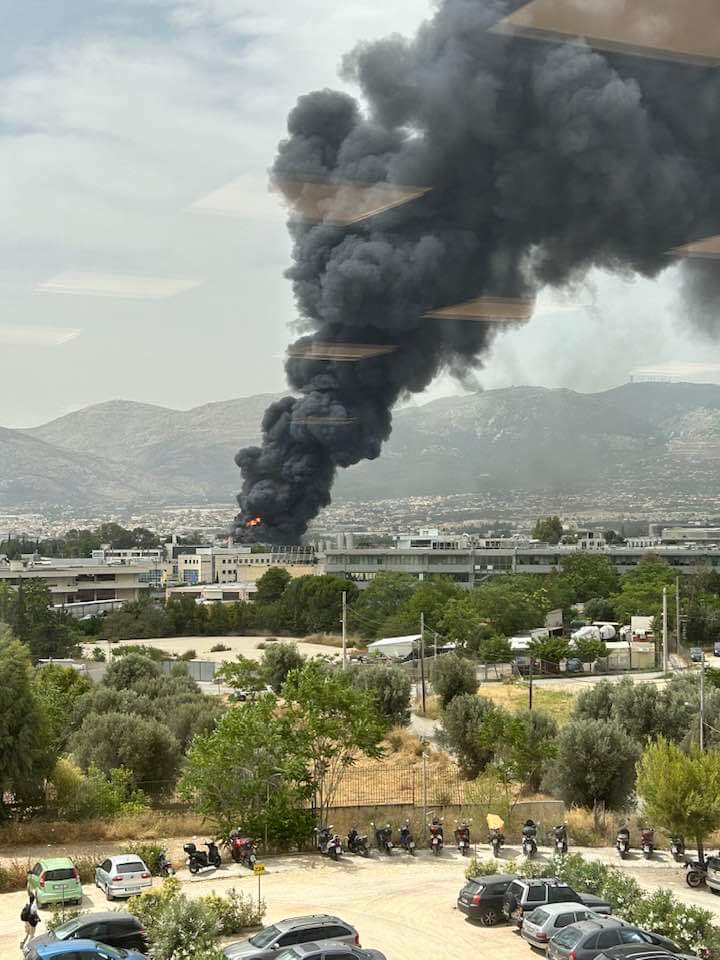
(323, 947)
(640, 951)
(562, 907)
(104, 915)
(591, 926)
(494, 878)
(290, 922)
(58, 947)
(125, 858)
(56, 863)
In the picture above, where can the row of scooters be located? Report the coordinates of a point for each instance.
(243, 850)
(330, 843)
(647, 844)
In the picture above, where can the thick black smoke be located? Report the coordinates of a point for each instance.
(543, 159)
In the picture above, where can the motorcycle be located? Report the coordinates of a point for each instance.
(561, 838)
(329, 843)
(164, 867)
(647, 842)
(462, 838)
(529, 843)
(243, 850)
(358, 843)
(622, 842)
(695, 873)
(677, 848)
(407, 842)
(436, 837)
(383, 838)
(496, 840)
(200, 860)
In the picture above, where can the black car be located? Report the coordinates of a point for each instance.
(524, 895)
(635, 951)
(115, 928)
(482, 897)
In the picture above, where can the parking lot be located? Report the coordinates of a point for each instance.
(402, 906)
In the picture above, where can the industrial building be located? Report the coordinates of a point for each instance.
(81, 581)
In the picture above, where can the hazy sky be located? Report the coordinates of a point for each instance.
(142, 254)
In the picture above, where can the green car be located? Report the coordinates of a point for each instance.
(55, 881)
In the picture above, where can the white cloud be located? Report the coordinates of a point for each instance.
(117, 285)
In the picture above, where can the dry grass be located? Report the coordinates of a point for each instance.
(144, 826)
(400, 740)
(432, 710)
(514, 697)
(354, 644)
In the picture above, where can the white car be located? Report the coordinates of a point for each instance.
(124, 875)
(540, 926)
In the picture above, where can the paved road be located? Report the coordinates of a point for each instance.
(402, 906)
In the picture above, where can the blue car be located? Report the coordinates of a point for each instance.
(78, 950)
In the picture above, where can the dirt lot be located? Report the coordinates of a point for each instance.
(402, 906)
(247, 646)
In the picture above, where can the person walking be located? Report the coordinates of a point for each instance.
(31, 918)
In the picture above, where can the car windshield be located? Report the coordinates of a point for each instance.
(64, 873)
(131, 866)
(538, 916)
(568, 937)
(68, 928)
(472, 886)
(265, 937)
(110, 953)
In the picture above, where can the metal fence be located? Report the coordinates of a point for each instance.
(202, 671)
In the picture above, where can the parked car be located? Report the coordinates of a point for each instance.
(124, 875)
(697, 654)
(329, 950)
(716, 648)
(80, 950)
(55, 880)
(119, 929)
(523, 896)
(481, 898)
(539, 926)
(634, 951)
(593, 937)
(294, 930)
(712, 874)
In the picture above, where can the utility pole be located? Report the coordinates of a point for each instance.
(530, 685)
(702, 702)
(422, 660)
(665, 631)
(344, 629)
(677, 614)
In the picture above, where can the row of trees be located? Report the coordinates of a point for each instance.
(81, 543)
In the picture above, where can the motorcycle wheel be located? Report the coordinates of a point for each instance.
(647, 854)
(466, 851)
(693, 878)
(365, 852)
(333, 854)
(623, 854)
(193, 867)
(236, 856)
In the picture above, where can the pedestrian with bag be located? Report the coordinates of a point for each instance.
(31, 918)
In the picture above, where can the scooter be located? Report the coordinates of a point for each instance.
(529, 843)
(383, 838)
(561, 839)
(164, 867)
(496, 840)
(200, 860)
(436, 837)
(407, 843)
(462, 838)
(695, 873)
(647, 842)
(329, 843)
(677, 848)
(242, 850)
(358, 843)
(622, 842)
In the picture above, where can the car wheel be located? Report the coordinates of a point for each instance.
(108, 893)
(489, 918)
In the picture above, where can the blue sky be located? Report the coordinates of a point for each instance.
(134, 143)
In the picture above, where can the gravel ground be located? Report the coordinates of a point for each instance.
(402, 906)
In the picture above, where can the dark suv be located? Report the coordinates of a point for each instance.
(523, 895)
(115, 928)
(482, 897)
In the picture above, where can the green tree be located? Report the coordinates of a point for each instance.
(595, 763)
(514, 603)
(385, 594)
(525, 743)
(638, 709)
(453, 676)
(243, 674)
(272, 585)
(252, 773)
(28, 610)
(146, 748)
(548, 530)
(338, 721)
(641, 589)
(313, 604)
(589, 649)
(430, 598)
(56, 690)
(681, 791)
(595, 702)
(390, 687)
(599, 609)
(277, 662)
(462, 731)
(549, 649)
(125, 672)
(495, 649)
(589, 575)
(22, 725)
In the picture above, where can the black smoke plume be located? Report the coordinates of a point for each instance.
(542, 159)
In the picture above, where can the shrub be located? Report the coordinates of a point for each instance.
(98, 655)
(453, 676)
(13, 875)
(60, 916)
(188, 655)
(142, 649)
(149, 853)
(390, 687)
(234, 912)
(278, 661)
(462, 728)
(219, 648)
(81, 796)
(595, 762)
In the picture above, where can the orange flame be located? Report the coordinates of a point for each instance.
(255, 522)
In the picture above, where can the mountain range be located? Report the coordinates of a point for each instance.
(122, 453)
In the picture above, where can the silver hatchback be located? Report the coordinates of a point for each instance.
(544, 922)
(124, 875)
(291, 932)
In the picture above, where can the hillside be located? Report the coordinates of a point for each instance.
(524, 438)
